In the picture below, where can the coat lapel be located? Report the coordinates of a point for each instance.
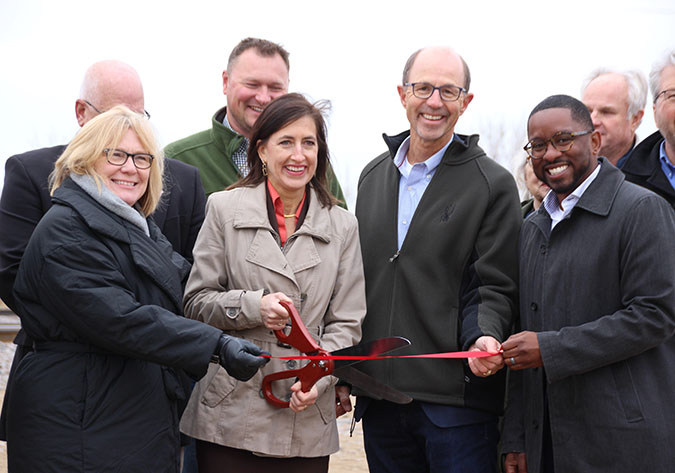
(300, 252)
(155, 257)
(265, 252)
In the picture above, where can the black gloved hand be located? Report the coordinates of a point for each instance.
(238, 357)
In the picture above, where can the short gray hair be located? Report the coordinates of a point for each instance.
(637, 87)
(668, 59)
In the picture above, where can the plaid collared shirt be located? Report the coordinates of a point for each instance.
(240, 156)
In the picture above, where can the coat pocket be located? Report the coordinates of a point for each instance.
(626, 392)
(326, 404)
(220, 386)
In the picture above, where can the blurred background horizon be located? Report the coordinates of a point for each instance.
(351, 53)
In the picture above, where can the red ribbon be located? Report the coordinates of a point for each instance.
(447, 355)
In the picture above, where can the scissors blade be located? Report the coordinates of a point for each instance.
(370, 348)
(370, 385)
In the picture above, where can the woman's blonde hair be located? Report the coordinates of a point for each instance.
(107, 131)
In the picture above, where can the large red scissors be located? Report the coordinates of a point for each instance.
(322, 364)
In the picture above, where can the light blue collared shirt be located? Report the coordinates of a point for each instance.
(560, 210)
(666, 165)
(414, 181)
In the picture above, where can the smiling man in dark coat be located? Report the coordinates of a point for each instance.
(592, 387)
(439, 223)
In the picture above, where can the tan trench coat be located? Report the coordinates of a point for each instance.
(236, 257)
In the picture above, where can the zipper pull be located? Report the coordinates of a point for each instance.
(391, 260)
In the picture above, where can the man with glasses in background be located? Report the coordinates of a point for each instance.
(591, 387)
(616, 102)
(439, 223)
(25, 195)
(652, 162)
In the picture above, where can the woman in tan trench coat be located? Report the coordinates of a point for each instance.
(277, 235)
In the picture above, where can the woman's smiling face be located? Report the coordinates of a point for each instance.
(291, 157)
(127, 181)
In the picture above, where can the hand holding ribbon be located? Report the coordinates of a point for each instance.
(486, 366)
(521, 351)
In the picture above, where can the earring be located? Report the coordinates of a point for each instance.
(264, 168)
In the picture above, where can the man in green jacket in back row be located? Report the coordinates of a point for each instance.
(257, 73)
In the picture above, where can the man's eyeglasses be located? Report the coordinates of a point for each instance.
(562, 141)
(117, 157)
(424, 90)
(145, 112)
(668, 95)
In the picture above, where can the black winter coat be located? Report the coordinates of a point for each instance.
(643, 167)
(100, 299)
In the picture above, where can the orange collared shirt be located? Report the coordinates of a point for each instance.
(279, 211)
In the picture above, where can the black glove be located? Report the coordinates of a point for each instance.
(238, 357)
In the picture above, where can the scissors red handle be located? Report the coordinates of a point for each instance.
(298, 336)
(308, 375)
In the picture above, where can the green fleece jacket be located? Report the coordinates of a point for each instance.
(211, 152)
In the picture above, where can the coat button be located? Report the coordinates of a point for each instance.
(534, 306)
(542, 249)
(291, 364)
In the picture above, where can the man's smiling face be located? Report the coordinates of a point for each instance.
(432, 120)
(563, 171)
(252, 83)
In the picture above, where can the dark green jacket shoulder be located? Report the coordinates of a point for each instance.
(211, 152)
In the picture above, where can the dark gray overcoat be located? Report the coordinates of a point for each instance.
(100, 300)
(600, 291)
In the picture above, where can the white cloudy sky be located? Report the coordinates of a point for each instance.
(351, 52)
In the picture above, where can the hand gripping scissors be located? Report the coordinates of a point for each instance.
(323, 365)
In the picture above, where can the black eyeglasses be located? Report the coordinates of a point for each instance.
(424, 90)
(117, 157)
(562, 141)
(145, 112)
(668, 95)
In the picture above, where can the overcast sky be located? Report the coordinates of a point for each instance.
(350, 52)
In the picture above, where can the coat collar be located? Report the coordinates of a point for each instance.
(641, 161)
(645, 162)
(455, 154)
(264, 250)
(600, 195)
(251, 212)
(226, 140)
(151, 255)
(97, 218)
(597, 199)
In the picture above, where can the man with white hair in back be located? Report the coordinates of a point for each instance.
(26, 198)
(616, 101)
(652, 162)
